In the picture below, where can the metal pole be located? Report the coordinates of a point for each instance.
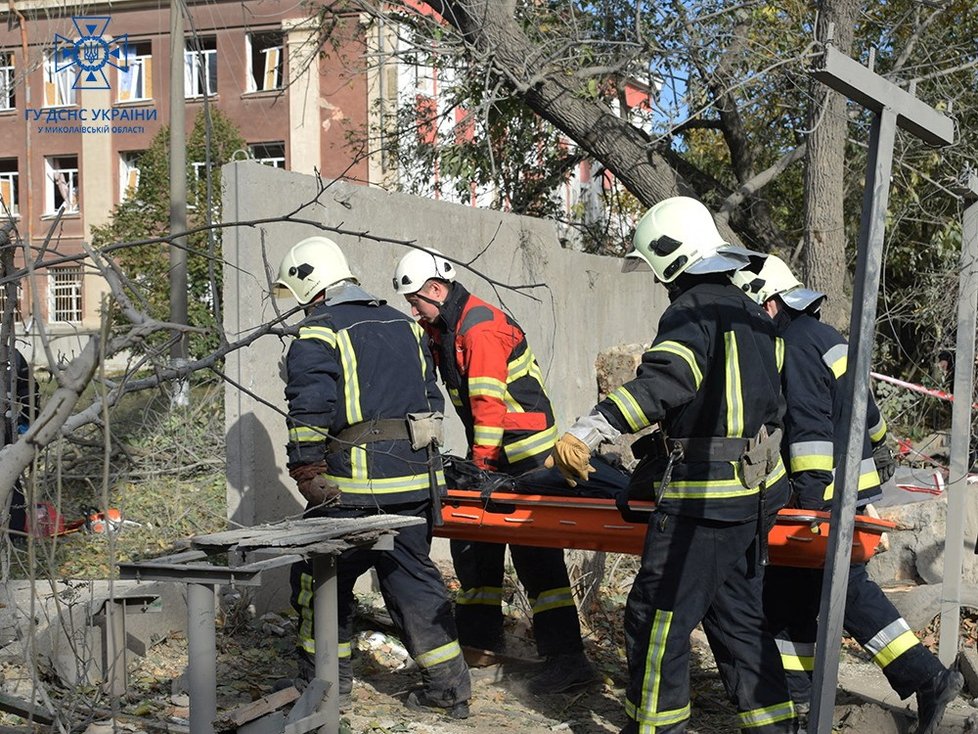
(957, 487)
(862, 326)
(327, 633)
(178, 196)
(114, 641)
(201, 658)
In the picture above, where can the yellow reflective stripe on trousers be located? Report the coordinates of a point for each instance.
(552, 599)
(784, 711)
(351, 383)
(344, 650)
(322, 333)
(891, 642)
(307, 434)
(488, 387)
(384, 485)
(531, 445)
(647, 712)
(733, 392)
(684, 353)
(492, 595)
(443, 654)
(630, 409)
(797, 656)
(663, 718)
(836, 359)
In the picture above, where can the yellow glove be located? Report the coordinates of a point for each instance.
(572, 458)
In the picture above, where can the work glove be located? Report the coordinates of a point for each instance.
(885, 463)
(572, 457)
(314, 486)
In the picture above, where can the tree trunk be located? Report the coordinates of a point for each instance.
(625, 150)
(825, 238)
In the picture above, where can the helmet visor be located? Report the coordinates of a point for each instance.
(718, 263)
(800, 298)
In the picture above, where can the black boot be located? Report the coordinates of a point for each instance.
(562, 673)
(418, 700)
(933, 698)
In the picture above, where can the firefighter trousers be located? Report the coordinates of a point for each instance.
(543, 573)
(693, 571)
(415, 597)
(791, 604)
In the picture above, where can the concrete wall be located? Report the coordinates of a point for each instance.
(570, 304)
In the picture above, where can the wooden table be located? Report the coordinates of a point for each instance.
(319, 540)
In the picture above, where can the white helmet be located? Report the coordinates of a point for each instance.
(774, 278)
(311, 266)
(418, 267)
(678, 235)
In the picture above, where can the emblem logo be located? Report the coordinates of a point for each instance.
(91, 52)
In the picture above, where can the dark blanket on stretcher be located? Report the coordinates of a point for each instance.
(607, 481)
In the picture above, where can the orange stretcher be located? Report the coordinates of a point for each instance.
(799, 538)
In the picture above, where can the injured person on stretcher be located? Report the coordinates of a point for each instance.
(539, 508)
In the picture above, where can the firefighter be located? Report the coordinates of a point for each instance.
(356, 374)
(814, 385)
(710, 380)
(23, 395)
(497, 388)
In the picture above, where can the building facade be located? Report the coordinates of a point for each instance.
(71, 129)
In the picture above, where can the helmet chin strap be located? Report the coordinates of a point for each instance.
(430, 301)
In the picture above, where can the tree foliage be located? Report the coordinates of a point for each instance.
(145, 215)
(733, 110)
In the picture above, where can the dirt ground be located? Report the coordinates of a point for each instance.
(253, 654)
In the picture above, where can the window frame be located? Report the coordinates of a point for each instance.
(194, 59)
(141, 67)
(51, 186)
(268, 160)
(266, 52)
(62, 83)
(75, 295)
(8, 75)
(127, 168)
(10, 181)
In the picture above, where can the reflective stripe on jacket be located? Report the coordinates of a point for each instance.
(711, 372)
(357, 361)
(494, 382)
(814, 385)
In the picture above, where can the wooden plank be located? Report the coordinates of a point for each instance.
(25, 709)
(312, 699)
(250, 711)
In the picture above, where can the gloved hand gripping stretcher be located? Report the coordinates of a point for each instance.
(539, 509)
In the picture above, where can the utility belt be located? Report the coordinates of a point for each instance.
(423, 430)
(418, 428)
(757, 456)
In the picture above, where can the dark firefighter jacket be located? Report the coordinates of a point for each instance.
(495, 383)
(357, 360)
(25, 400)
(814, 387)
(711, 372)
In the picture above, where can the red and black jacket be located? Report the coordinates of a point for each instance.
(494, 382)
